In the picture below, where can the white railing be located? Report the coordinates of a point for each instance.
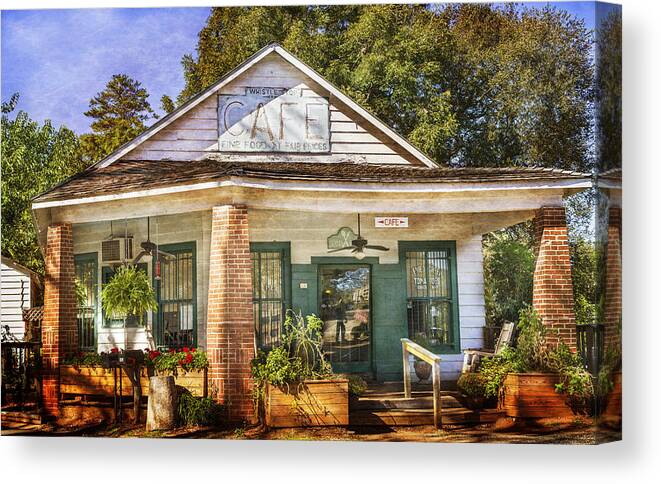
(409, 347)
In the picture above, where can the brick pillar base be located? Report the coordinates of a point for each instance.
(230, 325)
(59, 332)
(553, 295)
(613, 289)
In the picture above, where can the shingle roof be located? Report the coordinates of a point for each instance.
(127, 176)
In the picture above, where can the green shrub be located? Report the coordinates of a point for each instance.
(534, 354)
(575, 380)
(357, 385)
(472, 385)
(193, 410)
(494, 370)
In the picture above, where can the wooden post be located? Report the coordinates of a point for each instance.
(407, 370)
(436, 379)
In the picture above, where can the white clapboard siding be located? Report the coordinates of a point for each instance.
(195, 135)
(15, 296)
(470, 280)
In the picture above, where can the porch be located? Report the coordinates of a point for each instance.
(243, 248)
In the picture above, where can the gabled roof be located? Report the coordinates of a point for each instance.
(128, 176)
(235, 73)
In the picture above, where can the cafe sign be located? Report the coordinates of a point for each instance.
(268, 119)
(391, 222)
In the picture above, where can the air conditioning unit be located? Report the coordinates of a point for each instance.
(117, 250)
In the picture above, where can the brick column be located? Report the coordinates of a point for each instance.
(230, 326)
(59, 331)
(613, 289)
(553, 295)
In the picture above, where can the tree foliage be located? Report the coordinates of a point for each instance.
(609, 91)
(119, 113)
(34, 158)
(508, 271)
(167, 104)
(470, 84)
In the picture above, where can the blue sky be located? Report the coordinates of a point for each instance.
(59, 59)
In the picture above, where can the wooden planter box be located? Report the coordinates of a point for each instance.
(312, 403)
(98, 381)
(533, 395)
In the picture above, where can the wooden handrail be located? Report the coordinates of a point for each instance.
(409, 347)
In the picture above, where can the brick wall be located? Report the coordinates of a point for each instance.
(230, 326)
(613, 289)
(59, 333)
(553, 295)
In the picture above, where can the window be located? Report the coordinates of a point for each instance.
(431, 286)
(86, 299)
(271, 293)
(107, 273)
(176, 322)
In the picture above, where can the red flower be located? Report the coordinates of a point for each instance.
(114, 350)
(192, 350)
(172, 350)
(186, 349)
(189, 358)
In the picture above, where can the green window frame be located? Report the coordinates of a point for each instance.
(175, 322)
(87, 285)
(430, 269)
(271, 284)
(107, 274)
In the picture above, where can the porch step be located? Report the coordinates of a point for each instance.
(13, 417)
(383, 404)
(393, 401)
(414, 417)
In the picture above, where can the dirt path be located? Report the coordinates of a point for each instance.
(554, 432)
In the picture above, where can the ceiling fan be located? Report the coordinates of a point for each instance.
(149, 248)
(358, 246)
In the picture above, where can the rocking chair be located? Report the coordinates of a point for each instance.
(472, 356)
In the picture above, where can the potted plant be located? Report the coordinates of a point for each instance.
(294, 384)
(537, 379)
(129, 293)
(422, 368)
(472, 385)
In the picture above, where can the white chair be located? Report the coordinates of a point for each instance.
(472, 356)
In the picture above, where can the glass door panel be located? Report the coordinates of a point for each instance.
(345, 309)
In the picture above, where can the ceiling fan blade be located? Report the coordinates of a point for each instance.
(376, 247)
(341, 248)
(140, 256)
(165, 258)
(167, 254)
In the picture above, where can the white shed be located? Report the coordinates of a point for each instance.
(19, 288)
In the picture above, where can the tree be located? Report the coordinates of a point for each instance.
(34, 158)
(508, 275)
(470, 84)
(119, 113)
(609, 90)
(167, 104)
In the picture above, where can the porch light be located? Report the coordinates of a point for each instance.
(360, 255)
